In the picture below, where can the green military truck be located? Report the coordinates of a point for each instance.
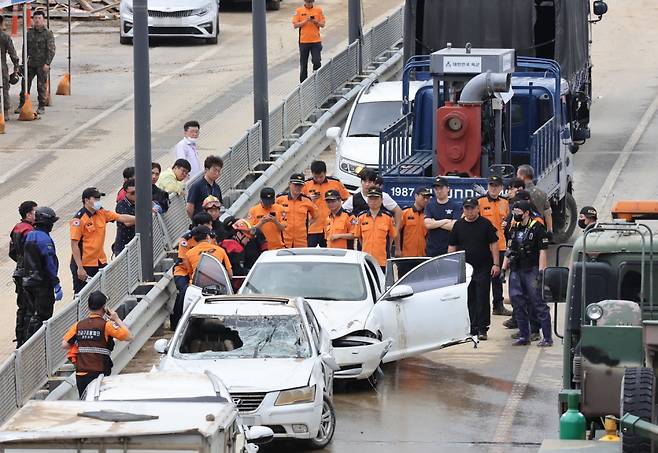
(611, 319)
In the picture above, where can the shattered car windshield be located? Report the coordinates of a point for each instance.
(311, 280)
(245, 337)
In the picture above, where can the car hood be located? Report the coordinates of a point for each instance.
(249, 375)
(173, 5)
(364, 150)
(340, 317)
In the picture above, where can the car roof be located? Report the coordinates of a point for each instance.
(315, 254)
(389, 91)
(250, 305)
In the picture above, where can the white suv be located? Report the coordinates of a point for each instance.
(173, 18)
(377, 106)
(271, 353)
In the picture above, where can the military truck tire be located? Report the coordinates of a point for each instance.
(273, 5)
(564, 227)
(638, 388)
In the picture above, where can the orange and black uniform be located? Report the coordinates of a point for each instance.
(89, 229)
(341, 223)
(193, 256)
(309, 38)
(181, 277)
(93, 338)
(272, 233)
(496, 211)
(413, 232)
(375, 233)
(297, 215)
(318, 229)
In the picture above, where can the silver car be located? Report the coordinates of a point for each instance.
(173, 18)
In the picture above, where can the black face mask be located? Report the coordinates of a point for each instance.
(582, 224)
(518, 217)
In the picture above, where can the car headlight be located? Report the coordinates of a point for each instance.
(203, 11)
(296, 396)
(350, 166)
(594, 312)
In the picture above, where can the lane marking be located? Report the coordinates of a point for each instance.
(508, 416)
(606, 194)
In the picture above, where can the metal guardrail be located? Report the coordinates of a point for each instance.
(27, 371)
(545, 138)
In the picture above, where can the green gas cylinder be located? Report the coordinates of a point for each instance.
(572, 422)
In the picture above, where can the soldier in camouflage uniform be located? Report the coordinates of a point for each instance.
(6, 49)
(40, 53)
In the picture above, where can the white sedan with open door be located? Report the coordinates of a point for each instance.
(420, 306)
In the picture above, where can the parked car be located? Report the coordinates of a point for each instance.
(419, 306)
(377, 106)
(271, 353)
(136, 413)
(172, 18)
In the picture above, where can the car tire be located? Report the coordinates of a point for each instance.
(638, 388)
(327, 426)
(273, 5)
(214, 39)
(125, 40)
(373, 379)
(566, 226)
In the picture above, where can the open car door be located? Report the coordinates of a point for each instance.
(396, 268)
(426, 309)
(210, 278)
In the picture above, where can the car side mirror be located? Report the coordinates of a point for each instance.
(330, 361)
(600, 8)
(554, 284)
(260, 435)
(400, 292)
(212, 290)
(333, 133)
(161, 346)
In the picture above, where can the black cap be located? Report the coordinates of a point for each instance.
(495, 180)
(90, 192)
(374, 192)
(589, 211)
(424, 191)
(470, 202)
(523, 205)
(96, 300)
(267, 194)
(441, 182)
(332, 195)
(297, 178)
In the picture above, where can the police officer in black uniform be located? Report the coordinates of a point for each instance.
(526, 258)
(16, 246)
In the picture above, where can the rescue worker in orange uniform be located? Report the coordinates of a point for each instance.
(309, 19)
(316, 188)
(340, 224)
(205, 239)
(375, 228)
(266, 217)
(181, 273)
(298, 212)
(495, 208)
(93, 337)
(413, 232)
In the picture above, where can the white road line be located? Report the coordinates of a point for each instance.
(606, 194)
(508, 416)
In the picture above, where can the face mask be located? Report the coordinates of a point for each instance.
(98, 205)
(582, 224)
(518, 217)
(191, 140)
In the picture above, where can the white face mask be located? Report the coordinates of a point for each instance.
(98, 205)
(191, 140)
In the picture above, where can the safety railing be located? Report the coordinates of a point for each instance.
(27, 370)
(545, 147)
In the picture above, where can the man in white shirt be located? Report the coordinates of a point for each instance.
(186, 148)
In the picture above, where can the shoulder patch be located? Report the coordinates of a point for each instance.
(75, 222)
(354, 221)
(183, 243)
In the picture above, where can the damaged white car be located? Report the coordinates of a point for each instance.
(370, 321)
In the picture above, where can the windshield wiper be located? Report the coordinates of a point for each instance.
(265, 341)
(322, 298)
(364, 134)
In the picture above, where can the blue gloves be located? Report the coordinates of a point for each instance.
(59, 294)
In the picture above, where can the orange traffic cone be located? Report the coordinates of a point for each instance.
(2, 121)
(27, 112)
(64, 85)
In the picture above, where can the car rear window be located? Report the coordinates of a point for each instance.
(311, 280)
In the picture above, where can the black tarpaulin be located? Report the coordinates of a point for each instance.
(571, 37)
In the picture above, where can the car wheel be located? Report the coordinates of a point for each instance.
(125, 40)
(327, 426)
(214, 39)
(373, 380)
(273, 5)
